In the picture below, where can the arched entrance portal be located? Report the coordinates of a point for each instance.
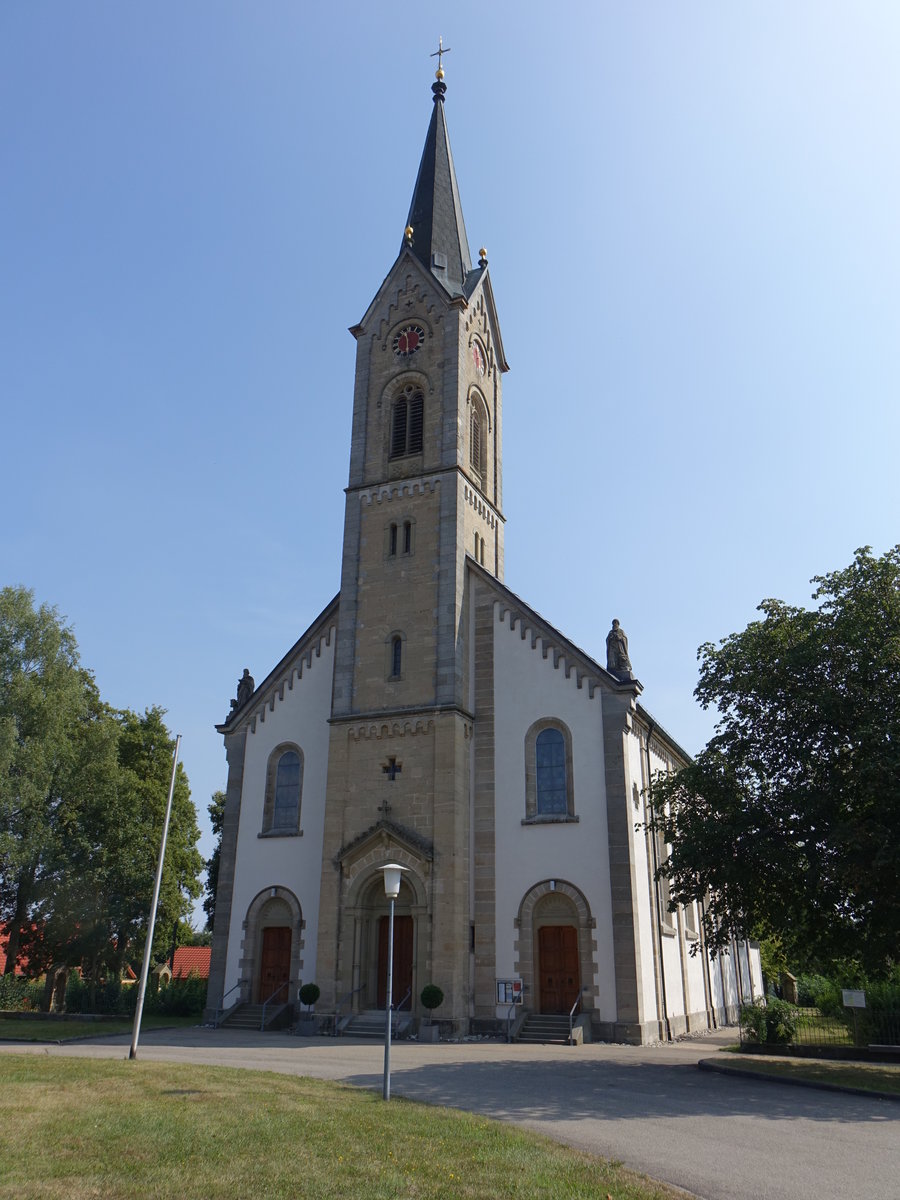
(275, 962)
(559, 973)
(401, 984)
(556, 947)
(374, 947)
(271, 961)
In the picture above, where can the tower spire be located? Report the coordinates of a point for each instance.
(438, 236)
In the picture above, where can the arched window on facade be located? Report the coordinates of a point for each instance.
(284, 785)
(396, 656)
(477, 438)
(549, 790)
(392, 539)
(550, 769)
(407, 422)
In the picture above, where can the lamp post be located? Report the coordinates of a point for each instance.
(392, 873)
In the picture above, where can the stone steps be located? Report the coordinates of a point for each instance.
(370, 1024)
(250, 1016)
(546, 1028)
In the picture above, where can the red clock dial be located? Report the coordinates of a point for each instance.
(478, 358)
(408, 340)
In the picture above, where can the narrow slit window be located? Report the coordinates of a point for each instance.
(396, 656)
(407, 537)
(393, 540)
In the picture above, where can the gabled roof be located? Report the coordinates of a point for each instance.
(306, 646)
(587, 669)
(438, 237)
(191, 958)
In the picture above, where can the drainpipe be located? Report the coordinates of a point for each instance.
(659, 933)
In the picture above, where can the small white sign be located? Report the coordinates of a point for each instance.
(853, 999)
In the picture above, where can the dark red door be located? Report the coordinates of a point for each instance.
(560, 979)
(275, 963)
(403, 961)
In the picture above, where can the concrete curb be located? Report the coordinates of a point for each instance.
(711, 1064)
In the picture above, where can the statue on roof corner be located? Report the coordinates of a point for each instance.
(245, 689)
(617, 660)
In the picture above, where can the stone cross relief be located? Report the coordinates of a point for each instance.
(392, 769)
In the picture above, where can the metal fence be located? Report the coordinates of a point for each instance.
(790, 1025)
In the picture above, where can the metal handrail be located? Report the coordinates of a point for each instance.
(262, 1022)
(572, 1014)
(220, 1012)
(512, 1008)
(396, 1008)
(341, 1002)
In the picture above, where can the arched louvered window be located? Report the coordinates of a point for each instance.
(477, 438)
(407, 420)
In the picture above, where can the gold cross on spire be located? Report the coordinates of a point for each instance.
(439, 54)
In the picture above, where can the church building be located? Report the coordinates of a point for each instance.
(429, 717)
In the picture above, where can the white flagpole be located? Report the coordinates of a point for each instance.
(148, 948)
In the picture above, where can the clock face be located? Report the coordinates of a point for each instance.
(408, 340)
(478, 358)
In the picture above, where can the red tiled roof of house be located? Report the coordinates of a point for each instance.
(191, 958)
(20, 965)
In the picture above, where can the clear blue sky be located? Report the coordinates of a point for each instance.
(691, 213)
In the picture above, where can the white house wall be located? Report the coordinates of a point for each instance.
(297, 714)
(527, 688)
(643, 877)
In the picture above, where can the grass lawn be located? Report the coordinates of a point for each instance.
(872, 1077)
(79, 1128)
(50, 1030)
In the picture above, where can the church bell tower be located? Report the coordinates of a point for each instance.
(424, 501)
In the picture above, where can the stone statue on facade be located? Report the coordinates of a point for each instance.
(245, 689)
(617, 660)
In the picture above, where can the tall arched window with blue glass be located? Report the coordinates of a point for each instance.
(287, 792)
(550, 756)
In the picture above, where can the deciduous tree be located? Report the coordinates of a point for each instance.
(788, 822)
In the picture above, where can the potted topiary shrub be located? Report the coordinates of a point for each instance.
(308, 1025)
(432, 997)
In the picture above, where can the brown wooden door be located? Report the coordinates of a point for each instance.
(558, 971)
(275, 963)
(403, 961)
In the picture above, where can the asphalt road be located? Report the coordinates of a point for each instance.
(718, 1137)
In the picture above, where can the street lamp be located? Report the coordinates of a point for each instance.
(392, 873)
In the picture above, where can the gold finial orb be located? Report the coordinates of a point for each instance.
(408, 232)
(439, 73)
(482, 255)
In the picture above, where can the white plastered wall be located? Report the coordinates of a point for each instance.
(300, 716)
(527, 688)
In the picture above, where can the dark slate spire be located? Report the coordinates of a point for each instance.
(438, 232)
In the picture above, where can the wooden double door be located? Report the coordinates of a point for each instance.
(559, 973)
(275, 963)
(403, 961)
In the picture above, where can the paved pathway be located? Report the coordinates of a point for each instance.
(718, 1137)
